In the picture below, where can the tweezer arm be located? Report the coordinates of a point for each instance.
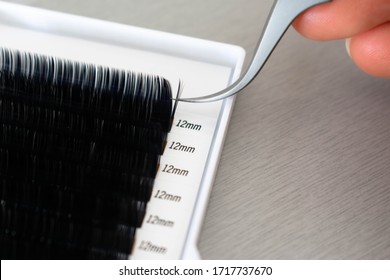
(282, 14)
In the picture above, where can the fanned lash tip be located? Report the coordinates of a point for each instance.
(176, 100)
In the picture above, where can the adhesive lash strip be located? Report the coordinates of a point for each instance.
(79, 150)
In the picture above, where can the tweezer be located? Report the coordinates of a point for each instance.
(281, 16)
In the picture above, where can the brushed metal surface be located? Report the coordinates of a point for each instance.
(305, 169)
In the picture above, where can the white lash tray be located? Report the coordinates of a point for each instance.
(187, 168)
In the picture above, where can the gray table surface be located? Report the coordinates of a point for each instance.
(304, 172)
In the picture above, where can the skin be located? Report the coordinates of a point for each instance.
(365, 24)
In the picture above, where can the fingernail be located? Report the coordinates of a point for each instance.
(347, 46)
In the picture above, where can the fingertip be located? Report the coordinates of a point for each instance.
(313, 23)
(371, 51)
(342, 18)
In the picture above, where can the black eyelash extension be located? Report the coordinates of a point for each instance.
(79, 150)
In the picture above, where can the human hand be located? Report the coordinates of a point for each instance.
(365, 24)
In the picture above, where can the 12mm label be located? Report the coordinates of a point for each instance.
(188, 125)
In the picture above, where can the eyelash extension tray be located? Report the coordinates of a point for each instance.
(174, 214)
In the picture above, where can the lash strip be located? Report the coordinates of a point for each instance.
(148, 138)
(38, 163)
(47, 228)
(129, 212)
(65, 200)
(76, 176)
(111, 246)
(86, 86)
(25, 106)
(132, 186)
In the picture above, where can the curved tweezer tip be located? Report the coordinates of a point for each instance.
(282, 14)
